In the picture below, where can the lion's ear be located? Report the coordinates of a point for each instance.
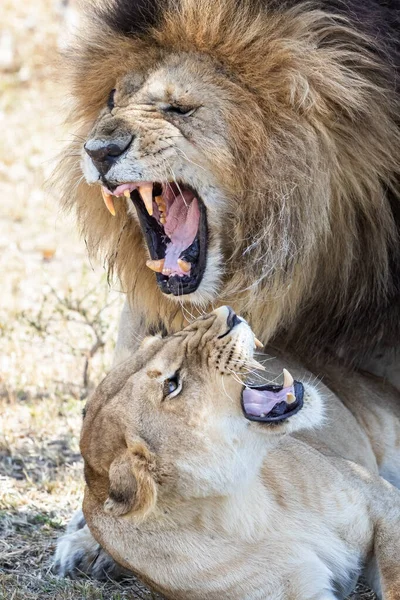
(132, 485)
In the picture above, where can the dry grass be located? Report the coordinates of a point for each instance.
(51, 317)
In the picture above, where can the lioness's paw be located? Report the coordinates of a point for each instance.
(78, 553)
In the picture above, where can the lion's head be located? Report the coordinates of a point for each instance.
(250, 151)
(176, 420)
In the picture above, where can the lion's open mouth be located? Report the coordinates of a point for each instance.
(272, 403)
(174, 224)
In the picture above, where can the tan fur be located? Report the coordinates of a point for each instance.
(243, 510)
(294, 150)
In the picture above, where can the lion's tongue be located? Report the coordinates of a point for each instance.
(182, 224)
(261, 402)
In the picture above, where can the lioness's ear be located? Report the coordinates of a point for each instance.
(132, 484)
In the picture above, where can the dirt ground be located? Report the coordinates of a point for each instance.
(56, 309)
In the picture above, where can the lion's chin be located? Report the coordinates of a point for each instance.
(173, 219)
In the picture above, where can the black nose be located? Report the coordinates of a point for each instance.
(105, 153)
(232, 319)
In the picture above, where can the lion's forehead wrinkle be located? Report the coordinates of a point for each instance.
(183, 82)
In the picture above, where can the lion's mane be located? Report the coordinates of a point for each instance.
(313, 255)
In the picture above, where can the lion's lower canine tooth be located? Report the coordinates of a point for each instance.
(163, 220)
(185, 266)
(287, 379)
(146, 192)
(156, 265)
(290, 398)
(108, 201)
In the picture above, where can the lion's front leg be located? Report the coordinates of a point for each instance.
(131, 331)
(78, 553)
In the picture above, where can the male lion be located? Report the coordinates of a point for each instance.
(250, 152)
(207, 505)
(255, 150)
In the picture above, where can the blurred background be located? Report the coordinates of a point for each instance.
(58, 315)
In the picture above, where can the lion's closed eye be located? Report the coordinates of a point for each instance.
(183, 111)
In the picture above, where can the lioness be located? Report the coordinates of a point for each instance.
(193, 483)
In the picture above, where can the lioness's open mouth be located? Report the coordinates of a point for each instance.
(273, 403)
(174, 224)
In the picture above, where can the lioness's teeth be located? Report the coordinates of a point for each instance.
(156, 265)
(290, 398)
(108, 201)
(185, 266)
(166, 271)
(127, 194)
(163, 220)
(146, 192)
(257, 343)
(287, 379)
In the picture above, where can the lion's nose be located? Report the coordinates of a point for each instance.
(105, 153)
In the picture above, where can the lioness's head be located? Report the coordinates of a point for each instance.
(177, 421)
(245, 148)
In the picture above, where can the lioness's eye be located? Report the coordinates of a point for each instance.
(172, 386)
(110, 101)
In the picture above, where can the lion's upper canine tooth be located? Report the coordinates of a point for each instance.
(185, 266)
(257, 343)
(287, 379)
(108, 201)
(146, 192)
(290, 398)
(127, 194)
(156, 265)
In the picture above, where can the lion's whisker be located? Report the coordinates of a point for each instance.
(190, 161)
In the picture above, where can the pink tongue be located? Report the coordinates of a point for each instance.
(181, 228)
(261, 402)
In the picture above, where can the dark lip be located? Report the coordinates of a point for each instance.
(156, 241)
(298, 405)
